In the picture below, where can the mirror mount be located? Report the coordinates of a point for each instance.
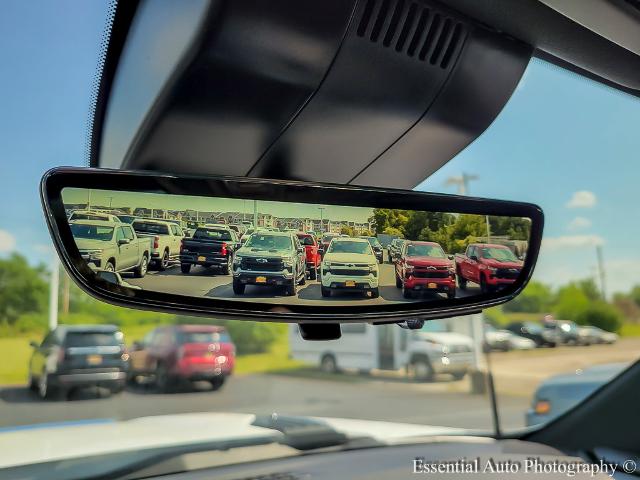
(319, 332)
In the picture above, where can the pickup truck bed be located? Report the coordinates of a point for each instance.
(209, 247)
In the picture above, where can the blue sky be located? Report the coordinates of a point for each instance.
(559, 136)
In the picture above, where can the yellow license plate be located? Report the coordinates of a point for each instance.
(94, 359)
(432, 285)
(202, 259)
(261, 279)
(349, 283)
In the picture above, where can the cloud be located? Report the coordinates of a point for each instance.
(7, 242)
(582, 199)
(43, 248)
(571, 241)
(578, 223)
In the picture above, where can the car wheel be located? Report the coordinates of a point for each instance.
(217, 383)
(422, 370)
(109, 267)
(484, 288)
(303, 279)
(375, 293)
(164, 261)
(226, 270)
(326, 292)
(141, 270)
(328, 364)
(32, 383)
(292, 290)
(406, 293)
(313, 274)
(185, 268)
(398, 281)
(451, 294)
(238, 288)
(462, 282)
(163, 380)
(45, 390)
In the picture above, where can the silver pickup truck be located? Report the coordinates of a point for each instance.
(112, 246)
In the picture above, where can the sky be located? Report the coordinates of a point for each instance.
(563, 142)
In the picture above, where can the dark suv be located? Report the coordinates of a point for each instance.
(270, 259)
(77, 356)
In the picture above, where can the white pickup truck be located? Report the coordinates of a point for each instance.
(165, 240)
(111, 246)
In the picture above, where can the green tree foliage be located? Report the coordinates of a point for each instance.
(571, 301)
(635, 295)
(515, 228)
(347, 231)
(23, 289)
(600, 314)
(535, 298)
(393, 231)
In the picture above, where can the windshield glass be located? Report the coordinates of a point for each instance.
(91, 232)
(151, 228)
(499, 254)
(261, 241)
(344, 246)
(562, 141)
(92, 339)
(422, 250)
(306, 239)
(203, 337)
(373, 241)
(212, 234)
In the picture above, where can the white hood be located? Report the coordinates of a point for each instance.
(447, 338)
(34, 444)
(350, 258)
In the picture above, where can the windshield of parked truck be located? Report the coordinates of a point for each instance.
(261, 241)
(212, 234)
(151, 228)
(345, 246)
(499, 254)
(91, 232)
(422, 250)
(93, 339)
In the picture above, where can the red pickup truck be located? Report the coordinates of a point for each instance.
(490, 266)
(313, 257)
(423, 266)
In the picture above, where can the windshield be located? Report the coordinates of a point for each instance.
(421, 250)
(92, 339)
(306, 239)
(151, 228)
(203, 337)
(373, 241)
(343, 246)
(562, 141)
(92, 232)
(499, 254)
(261, 241)
(212, 234)
(88, 216)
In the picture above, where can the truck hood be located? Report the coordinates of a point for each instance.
(251, 252)
(429, 262)
(497, 264)
(350, 258)
(33, 444)
(447, 338)
(89, 244)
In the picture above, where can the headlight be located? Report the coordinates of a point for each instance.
(452, 271)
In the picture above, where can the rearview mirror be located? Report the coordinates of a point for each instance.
(265, 278)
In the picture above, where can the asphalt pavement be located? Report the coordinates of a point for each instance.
(442, 403)
(208, 282)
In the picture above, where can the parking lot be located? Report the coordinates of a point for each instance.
(207, 282)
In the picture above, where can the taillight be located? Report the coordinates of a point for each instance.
(156, 241)
(223, 249)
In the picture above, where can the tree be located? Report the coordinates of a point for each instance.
(600, 314)
(571, 301)
(393, 232)
(347, 231)
(23, 289)
(535, 298)
(635, 294)
(516, 228)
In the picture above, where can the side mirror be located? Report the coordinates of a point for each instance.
(300, 249)
(474, 258)
(124, 241)
(33, 344)
(450, 257)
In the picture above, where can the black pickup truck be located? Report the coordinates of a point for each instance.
(209, 247)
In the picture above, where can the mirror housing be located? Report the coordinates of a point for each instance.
(473, 257)
(297, 309)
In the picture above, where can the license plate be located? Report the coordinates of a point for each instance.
(202, 259)
(349, 283)
(94, 359)
(432, 285)
(261, 279)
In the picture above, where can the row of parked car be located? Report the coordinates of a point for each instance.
(76, 356)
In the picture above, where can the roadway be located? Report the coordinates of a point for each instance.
(207, 282)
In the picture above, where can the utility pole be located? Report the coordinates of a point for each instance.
(486, 219)
(603, 290)
(110, 202)
(89, 200)
(321, 219)
(255, 214)
(54, 287)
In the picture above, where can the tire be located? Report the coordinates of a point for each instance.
(398, 281)
(303, 280)
(422, 370)
(462, 282)
(458, 375)
(451, 294)
(141, 270)
(313, 273)
(226, 270)
(484, 288)
(217, 383)
(185, 268)
(109, 267)
(375, 293)
(117, 390)
(328, 364)
(292, 290)
(32, 384)
(326, 292)
(238, 288)
(406, 293)
(45, 391)
(164, 383)
(163, 263)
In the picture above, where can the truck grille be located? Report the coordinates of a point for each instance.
(431, 273)
(512, 273)
(271, 264)
(350, 272)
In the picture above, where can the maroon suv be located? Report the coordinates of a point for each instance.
(183, 353)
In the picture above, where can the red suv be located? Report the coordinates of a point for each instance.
(313, 257)
(183, 353)
(423, 266)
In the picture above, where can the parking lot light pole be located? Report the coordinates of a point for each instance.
(54, 286)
